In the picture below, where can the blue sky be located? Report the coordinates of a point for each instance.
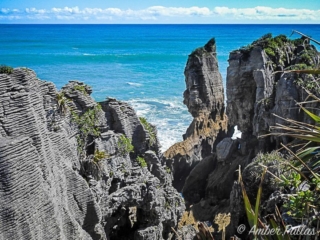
(154, 11)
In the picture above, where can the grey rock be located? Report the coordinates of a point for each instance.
(156, 168)
(225, 148)
(194, 188)
(52, 201)
(204, 91)
(255, 92)
(123, 119)
(50, 191)
(204, 97)
(249, 79)
(81, 98)
(149, 233)
(187, 232)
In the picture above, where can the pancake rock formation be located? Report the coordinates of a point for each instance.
(259, 85)
(71, 168)
(204, 98)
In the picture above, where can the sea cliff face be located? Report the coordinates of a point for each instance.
(259, 87)
(204, 98)
(62, 178)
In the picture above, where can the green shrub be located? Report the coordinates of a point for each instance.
(298, 41)
(270, 52)
(280, 39)
(150, 129)
(6, 69)
(272, 157)
(141, 161)
(81, 88)
(305, 57)
(62, 101)
(99, 155)
(302, 181)
(124, 145)
(298, 204)
(87, 124)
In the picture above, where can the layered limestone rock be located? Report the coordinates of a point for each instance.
(204, 98)
(258, 87)
(66, 170)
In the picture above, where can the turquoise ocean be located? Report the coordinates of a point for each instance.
(140, 64)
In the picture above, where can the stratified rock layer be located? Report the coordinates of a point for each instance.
(257, 89)
(204, 98)
(48, 190)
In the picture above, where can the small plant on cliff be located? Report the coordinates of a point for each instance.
(303, 182)
(62, 102)
(81, 88)
(6, 69)
(141, 161)
(150, 129)
(124, 145)
(87, 124)
(99, 155)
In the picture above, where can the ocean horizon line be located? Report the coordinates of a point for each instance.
(174, 24)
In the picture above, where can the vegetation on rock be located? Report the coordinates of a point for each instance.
(62, 101)
(124, 145)
(150, 129)
(99, 155)
(6, 69)
(141, 161)
(81, 88)
(87, 124)
(300, 180)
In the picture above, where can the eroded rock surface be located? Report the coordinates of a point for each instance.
(52, 189)
(204, 98)
(258, 88)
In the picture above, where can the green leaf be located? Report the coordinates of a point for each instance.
(275, 226)
(247, 204)
(306, 154)
(312, 115)
(258, 200)
(308, 71)
(306, 137)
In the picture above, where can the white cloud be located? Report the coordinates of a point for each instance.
(177, 11)
(158, 13)
(268, 13)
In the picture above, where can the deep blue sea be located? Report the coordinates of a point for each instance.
(141, 64)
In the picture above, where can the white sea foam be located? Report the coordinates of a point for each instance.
(134, 84)
(89, 54)
(170, 117)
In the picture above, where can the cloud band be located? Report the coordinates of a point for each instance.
(158, 13)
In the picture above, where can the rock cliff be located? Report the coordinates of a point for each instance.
(258, 86)
(204, 98)
(71, 168)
